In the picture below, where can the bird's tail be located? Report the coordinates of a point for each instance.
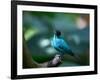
(71, 53)
(75, 56)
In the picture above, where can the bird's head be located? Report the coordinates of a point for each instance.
(57, 33)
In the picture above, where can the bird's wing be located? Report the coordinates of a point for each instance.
(65, 47)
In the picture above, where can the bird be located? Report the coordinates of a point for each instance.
(58, 43)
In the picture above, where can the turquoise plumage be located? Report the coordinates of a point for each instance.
(60, 45)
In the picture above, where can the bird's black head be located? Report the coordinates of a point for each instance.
(57, 33)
